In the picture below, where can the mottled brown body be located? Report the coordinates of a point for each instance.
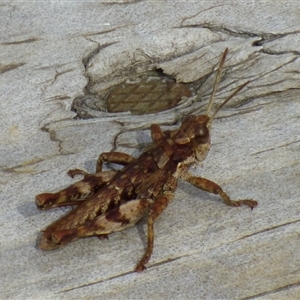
(111, 201)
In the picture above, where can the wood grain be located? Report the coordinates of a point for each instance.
(203, 249)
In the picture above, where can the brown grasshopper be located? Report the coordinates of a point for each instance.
(110, 201)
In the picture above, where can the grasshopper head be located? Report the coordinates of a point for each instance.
(197, 131)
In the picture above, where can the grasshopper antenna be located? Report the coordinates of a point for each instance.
(228, 98)
(218, 77)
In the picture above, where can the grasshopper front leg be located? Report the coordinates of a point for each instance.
(211, 187)
(157, 134)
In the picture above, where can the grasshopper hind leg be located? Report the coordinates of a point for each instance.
(114, 220)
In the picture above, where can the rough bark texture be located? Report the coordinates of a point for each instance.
(53, 53)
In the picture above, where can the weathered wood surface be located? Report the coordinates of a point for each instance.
(203, 249)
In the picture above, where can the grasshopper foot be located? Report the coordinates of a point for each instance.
(140, 268)
(102, 237)
(248, 202)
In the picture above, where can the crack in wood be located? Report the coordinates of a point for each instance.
(54, 138)
(86, 60)
(96, 282)
(31, 40)
(275, 148)
(270, 292)
(227, 31)
(198, 13)
(266, 230)
(163, 262)
(10, 67)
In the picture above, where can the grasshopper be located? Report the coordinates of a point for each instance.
(111, 201)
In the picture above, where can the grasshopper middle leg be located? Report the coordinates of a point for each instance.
(76, 193)
(113, 157)
(81, 190)
(157, 208)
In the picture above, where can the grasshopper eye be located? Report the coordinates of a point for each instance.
(203, 131)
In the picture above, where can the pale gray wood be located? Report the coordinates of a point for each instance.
(203, 249)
